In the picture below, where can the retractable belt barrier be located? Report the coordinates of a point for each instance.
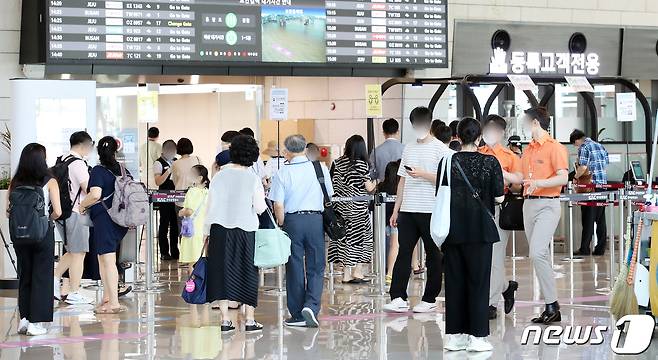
(157, 196)
(608, 199)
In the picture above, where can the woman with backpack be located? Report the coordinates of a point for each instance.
(33, 194)
(194, 214)
(107, 234)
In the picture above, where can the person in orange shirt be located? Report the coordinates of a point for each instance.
(545, 172)
(493, 134)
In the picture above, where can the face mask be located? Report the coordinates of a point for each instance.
(421, 133)
(527, 129)
(491, 138)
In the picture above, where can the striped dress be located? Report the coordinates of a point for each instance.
(356, 247)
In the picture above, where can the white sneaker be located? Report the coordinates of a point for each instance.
(57, 287)
(36, 330)
(397, 305)
(22, 326)
(479, 344)
(456, 342)
(424, 307)
(75, 298)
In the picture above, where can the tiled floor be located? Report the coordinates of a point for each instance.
(159, 325)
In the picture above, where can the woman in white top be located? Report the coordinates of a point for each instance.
(235, 199)
(35, 258)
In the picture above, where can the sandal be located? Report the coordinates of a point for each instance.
(102, 310)
(216, 307)
(419, 271)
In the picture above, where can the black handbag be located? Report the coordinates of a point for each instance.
(334, 224)
(511, 213)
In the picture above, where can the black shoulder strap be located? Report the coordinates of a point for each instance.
(70, 159)
(320, 175)
(470, 187)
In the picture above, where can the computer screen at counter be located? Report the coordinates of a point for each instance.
(391, 33)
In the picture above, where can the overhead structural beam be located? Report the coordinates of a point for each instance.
(550, 91)
(474, 100)
(592, 114)
(492, 98)
(435, 98)
(531, 98)
(539, 80)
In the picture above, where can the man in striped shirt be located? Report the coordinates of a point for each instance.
(592, 159)
(412, 212)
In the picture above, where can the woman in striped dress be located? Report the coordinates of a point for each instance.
(349, 175)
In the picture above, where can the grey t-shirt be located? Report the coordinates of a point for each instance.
(389, 150)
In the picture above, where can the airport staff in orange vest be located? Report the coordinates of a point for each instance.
(545, 172)
(493, 134)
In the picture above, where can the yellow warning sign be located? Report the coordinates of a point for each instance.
(373, 100)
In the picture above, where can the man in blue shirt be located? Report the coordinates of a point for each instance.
(298, 205)
(592, 160)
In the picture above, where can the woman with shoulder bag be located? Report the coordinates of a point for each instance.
(476, 185)
(350, 177)
(32, 186)
(235, 199)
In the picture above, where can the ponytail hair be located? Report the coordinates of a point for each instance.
(107, 154)
(203, 172)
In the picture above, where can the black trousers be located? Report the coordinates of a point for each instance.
(468, 271)
(590, 216)
(168, 230)
(36, 266)
(412, 226)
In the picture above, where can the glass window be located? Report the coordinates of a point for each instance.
(638, 126)
(605, 100)
(566, 113)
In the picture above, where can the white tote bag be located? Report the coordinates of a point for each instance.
(440, 221)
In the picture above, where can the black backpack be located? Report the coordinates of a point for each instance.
(61, 173)
(28, 223)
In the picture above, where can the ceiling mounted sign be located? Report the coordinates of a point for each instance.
(550, 50)
(543, 63)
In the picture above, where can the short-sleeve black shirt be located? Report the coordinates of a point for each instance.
(469, 221)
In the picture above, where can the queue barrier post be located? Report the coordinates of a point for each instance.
(570, 192)
(620, 196)
(380, 242)
(279, 279)
(149, 250)
(611, 206)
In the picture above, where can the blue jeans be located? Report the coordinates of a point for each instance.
(305, 290)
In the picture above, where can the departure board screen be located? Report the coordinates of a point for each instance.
(396, 33)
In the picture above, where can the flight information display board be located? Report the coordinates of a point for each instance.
(396, 33)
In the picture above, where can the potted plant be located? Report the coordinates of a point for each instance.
(7, 272)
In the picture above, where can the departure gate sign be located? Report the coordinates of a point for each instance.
(396, 33)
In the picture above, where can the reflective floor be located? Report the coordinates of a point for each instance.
(159, 325)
